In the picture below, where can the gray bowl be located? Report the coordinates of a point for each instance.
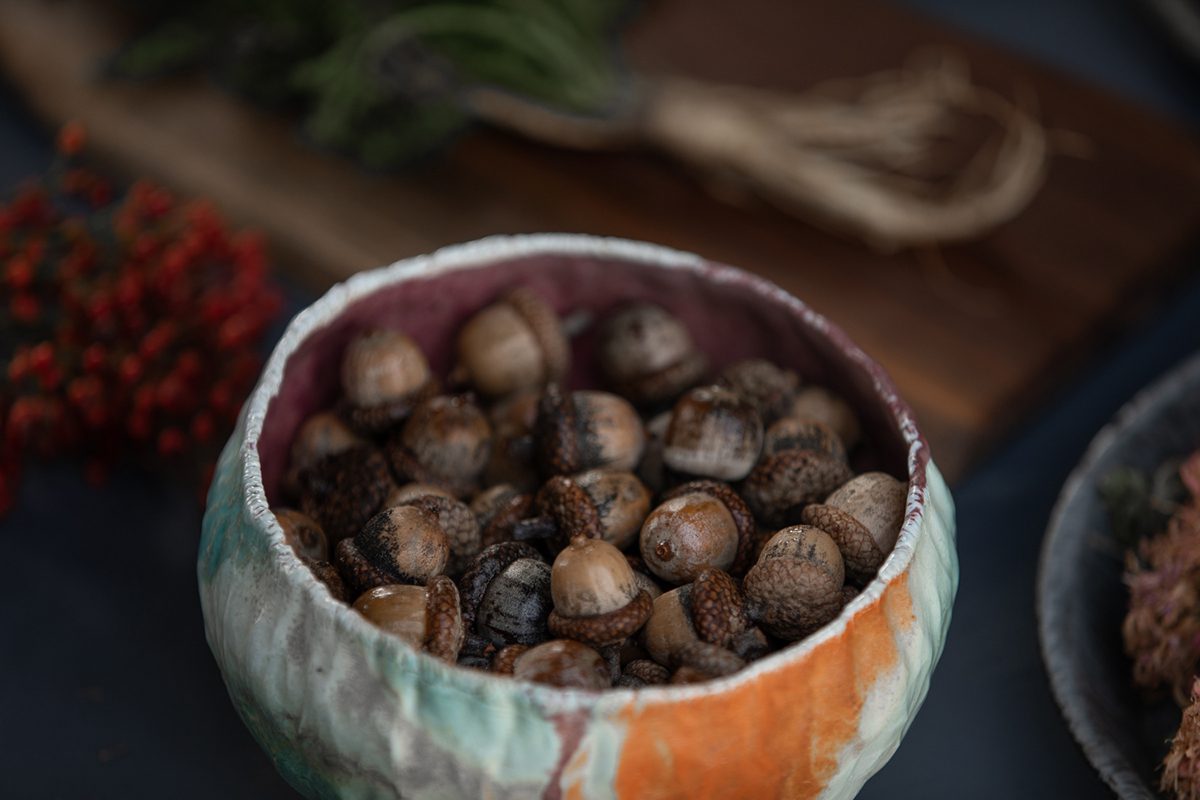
(1082, 600)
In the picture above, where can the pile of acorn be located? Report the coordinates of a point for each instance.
(556, 536)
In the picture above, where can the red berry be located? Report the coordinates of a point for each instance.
(157, 340)
(41, 357)
(171, 394)
(130, 369)
(51, 378)
(71, 138)
(18, 366)
(171, 441)
(143, 398)
(95, 357)
(24, 307)
(203, 426)
(189, 366)
(19, 272)
(138, 426)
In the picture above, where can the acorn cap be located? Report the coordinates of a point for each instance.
(764, 385)
(782, 484)
(444, 624)
(796, 586)
(717, 610)
(344, 490)
(863, 517)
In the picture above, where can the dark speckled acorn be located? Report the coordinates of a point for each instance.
(713, 433)
(770, 389)
(490, 562)
(427, 617)
(344, 490)
(565, 663)
(384, 375)
(647, 355)
(446, 442)
(515, 343)
(597, 600)
(796, 586)
(863, 516)
(578, 431)
(516, 605)
(402, 544)
(302, 533)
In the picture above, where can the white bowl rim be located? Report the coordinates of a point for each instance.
(499, 248)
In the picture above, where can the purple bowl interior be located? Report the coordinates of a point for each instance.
(731, 315)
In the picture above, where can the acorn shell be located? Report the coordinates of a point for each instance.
(516, 604)
(713, 433)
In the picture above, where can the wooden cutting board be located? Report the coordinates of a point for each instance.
(974, 338)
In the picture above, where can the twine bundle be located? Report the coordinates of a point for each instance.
(861, 156)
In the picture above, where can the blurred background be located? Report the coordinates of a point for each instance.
(1000, 202)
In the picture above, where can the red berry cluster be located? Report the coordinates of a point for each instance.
(130, 326)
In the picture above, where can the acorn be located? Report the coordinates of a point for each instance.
(701, 661)
(767, 387)
(647, 355)
(821, 405)
(796, 585)
(700, 524)
(786, 480)
(445, 442)
(498, 509)
(344, 490)
(713, 433)
(603, 504)
(427, 617)
(384, 376)
(402, 544)
(512, 458)
(643, 672)
(793, 433)
(327, 574)
(863, 516)
(596, 598)
(505, 659)
(516, 604)
(415, 489)
(489, 563)
(651, 468)
(302, 533)
(515, 343)
(565, 663)
(578, 431)
(456, 520)
(711, 609)
(322, 434)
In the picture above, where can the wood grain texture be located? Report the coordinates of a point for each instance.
(974, 335)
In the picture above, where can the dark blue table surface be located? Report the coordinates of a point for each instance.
(107, 688)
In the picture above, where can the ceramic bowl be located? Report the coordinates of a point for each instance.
(1082, 600)
(347, 711)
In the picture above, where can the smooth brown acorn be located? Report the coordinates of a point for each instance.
(445, 442)
(515, 343)
(603, 504)
(578, 431)
(402, 544)
(713, 433)
(597, 600)
(711, 609)
(427, 617)
(863, 516)
(647, 355)
(384, 376)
